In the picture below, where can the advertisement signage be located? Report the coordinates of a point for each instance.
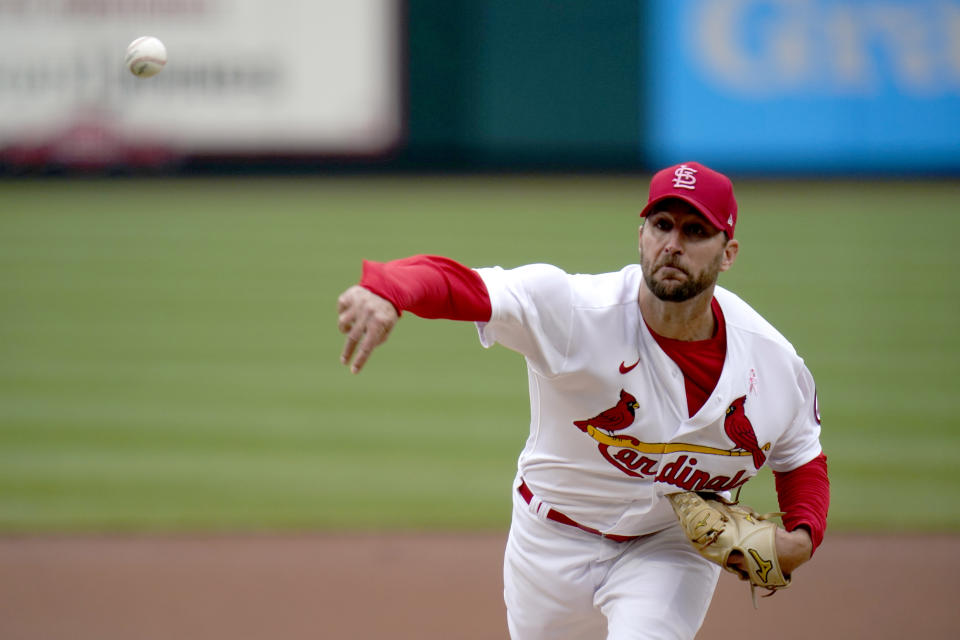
(242, 77)
(781, 85)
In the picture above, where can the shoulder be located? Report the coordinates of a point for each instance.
(745, 321)
(606, 289)
(580, 289)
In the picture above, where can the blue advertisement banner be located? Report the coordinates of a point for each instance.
(804, 85)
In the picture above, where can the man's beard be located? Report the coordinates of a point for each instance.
(674, 291)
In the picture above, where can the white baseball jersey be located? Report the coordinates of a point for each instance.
(588, 351)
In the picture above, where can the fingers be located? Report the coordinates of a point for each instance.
(374, 336)
(367, 319)
(736, 563)
(346, 319)
(357, 332)
(347, 307)
(349, 346)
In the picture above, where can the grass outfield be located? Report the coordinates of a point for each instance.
(169, 353)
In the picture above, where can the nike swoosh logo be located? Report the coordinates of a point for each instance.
(625, 369)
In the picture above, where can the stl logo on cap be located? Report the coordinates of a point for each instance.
(685, 177)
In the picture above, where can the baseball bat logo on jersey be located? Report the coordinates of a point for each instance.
(642, 459)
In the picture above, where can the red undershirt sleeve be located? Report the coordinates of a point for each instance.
(804, 497)
(430, 287)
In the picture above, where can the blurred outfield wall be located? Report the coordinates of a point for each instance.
(764, 86)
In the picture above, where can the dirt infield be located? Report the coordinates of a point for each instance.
(420, 586)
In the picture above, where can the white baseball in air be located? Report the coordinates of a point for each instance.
(146, 57)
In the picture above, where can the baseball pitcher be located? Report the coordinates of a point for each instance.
(654, 395)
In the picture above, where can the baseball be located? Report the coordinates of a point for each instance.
(146, 57)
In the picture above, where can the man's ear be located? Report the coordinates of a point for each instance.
(730, 252)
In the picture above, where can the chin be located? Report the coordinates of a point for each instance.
(674, 297)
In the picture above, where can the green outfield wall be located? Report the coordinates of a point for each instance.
(538, 83)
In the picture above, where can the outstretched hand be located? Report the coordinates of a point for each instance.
(367, 320)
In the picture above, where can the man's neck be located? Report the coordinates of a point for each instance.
(688, 320)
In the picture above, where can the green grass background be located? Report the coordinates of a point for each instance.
(169, 352)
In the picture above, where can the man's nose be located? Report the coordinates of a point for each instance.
(673, 245)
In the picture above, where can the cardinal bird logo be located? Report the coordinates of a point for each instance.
(739, 429)
(617, 417)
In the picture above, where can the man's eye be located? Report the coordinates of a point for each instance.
(696, 230)
(663, 225)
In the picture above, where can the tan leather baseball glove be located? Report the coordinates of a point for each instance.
(717, 528)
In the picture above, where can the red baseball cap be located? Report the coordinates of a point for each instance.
(708, 191)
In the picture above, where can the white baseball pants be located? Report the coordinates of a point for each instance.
(564, 583)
